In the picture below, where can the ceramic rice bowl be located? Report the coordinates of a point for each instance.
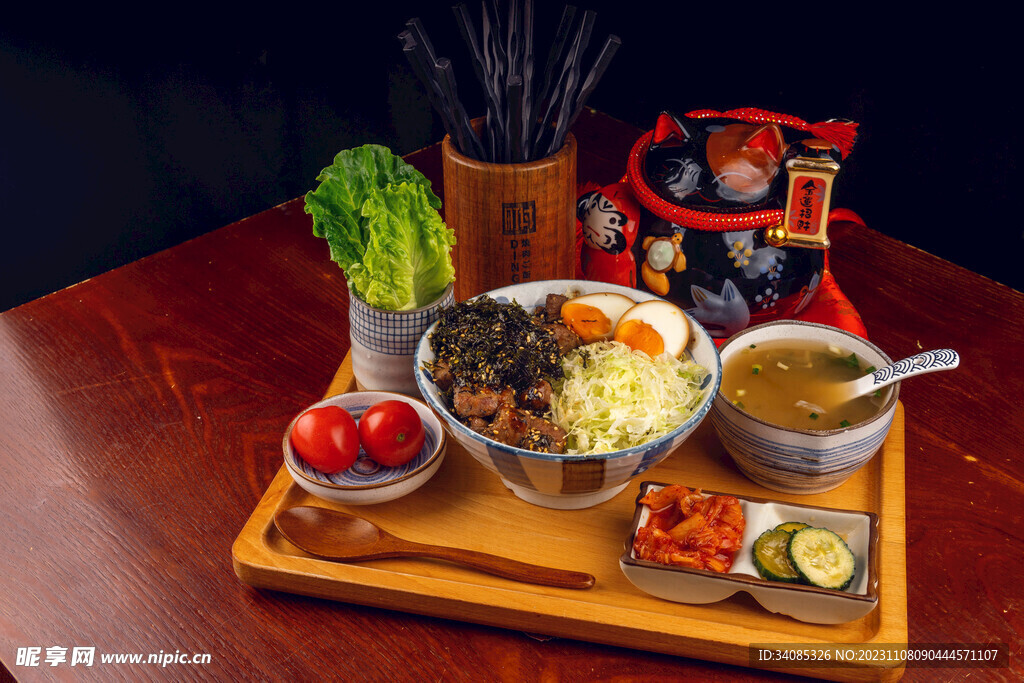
(800, 460)
(569, 482)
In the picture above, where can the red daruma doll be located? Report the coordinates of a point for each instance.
(608, 219)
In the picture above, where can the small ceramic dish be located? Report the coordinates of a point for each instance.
(805, 603)
(366, 482)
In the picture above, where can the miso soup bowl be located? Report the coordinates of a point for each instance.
(569, 482)
(800, 460)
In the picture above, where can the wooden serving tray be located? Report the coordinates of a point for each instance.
(465, 505)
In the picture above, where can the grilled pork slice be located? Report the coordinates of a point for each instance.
(442, 375)
(566, 339)
(553, 307)
(522, 429)
(479, 401)
(536, 397)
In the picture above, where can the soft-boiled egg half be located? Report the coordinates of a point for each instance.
(594, 316)
(654, 327)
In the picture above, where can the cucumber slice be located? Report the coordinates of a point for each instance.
(771, 556)
(821, 558)
(791, 526)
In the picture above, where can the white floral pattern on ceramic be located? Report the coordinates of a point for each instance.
(569, 482)
(800, 460)
(806, 603)
(367, 482)
(383, 343)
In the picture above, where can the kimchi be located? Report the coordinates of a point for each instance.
(687, 529)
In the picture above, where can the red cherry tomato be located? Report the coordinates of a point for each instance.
(327, 438)
(391, 433)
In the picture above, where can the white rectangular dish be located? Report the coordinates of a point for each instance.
(806, 603)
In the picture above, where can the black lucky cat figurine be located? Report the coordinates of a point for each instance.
(730, 211)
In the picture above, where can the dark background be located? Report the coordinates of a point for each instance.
(121, 138)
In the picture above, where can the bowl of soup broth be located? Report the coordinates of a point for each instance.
(780, 413)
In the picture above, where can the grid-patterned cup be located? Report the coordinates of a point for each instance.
(384, 342)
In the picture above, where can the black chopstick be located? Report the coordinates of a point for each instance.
(469, 143)
(563, 89)
(544, 127)
(416, 54)
(501, 72)
(514, 40)
(528, 88)
(496, 10)
(604, 58)
(479, 60)
(418, 32)
(568, 102)
(556, 52)
(490, 53)
(514, 135)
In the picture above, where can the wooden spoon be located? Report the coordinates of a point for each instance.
(335, 535)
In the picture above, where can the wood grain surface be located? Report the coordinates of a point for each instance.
(142, 413)
(467, 505)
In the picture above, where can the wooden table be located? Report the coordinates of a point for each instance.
(142, 413)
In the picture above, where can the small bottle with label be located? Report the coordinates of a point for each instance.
(808, 198)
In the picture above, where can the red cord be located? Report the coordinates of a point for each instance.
(842, 134)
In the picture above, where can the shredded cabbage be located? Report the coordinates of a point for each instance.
(614, 398)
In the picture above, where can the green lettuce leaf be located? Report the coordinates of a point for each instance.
(337, 204)
(407, 262)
